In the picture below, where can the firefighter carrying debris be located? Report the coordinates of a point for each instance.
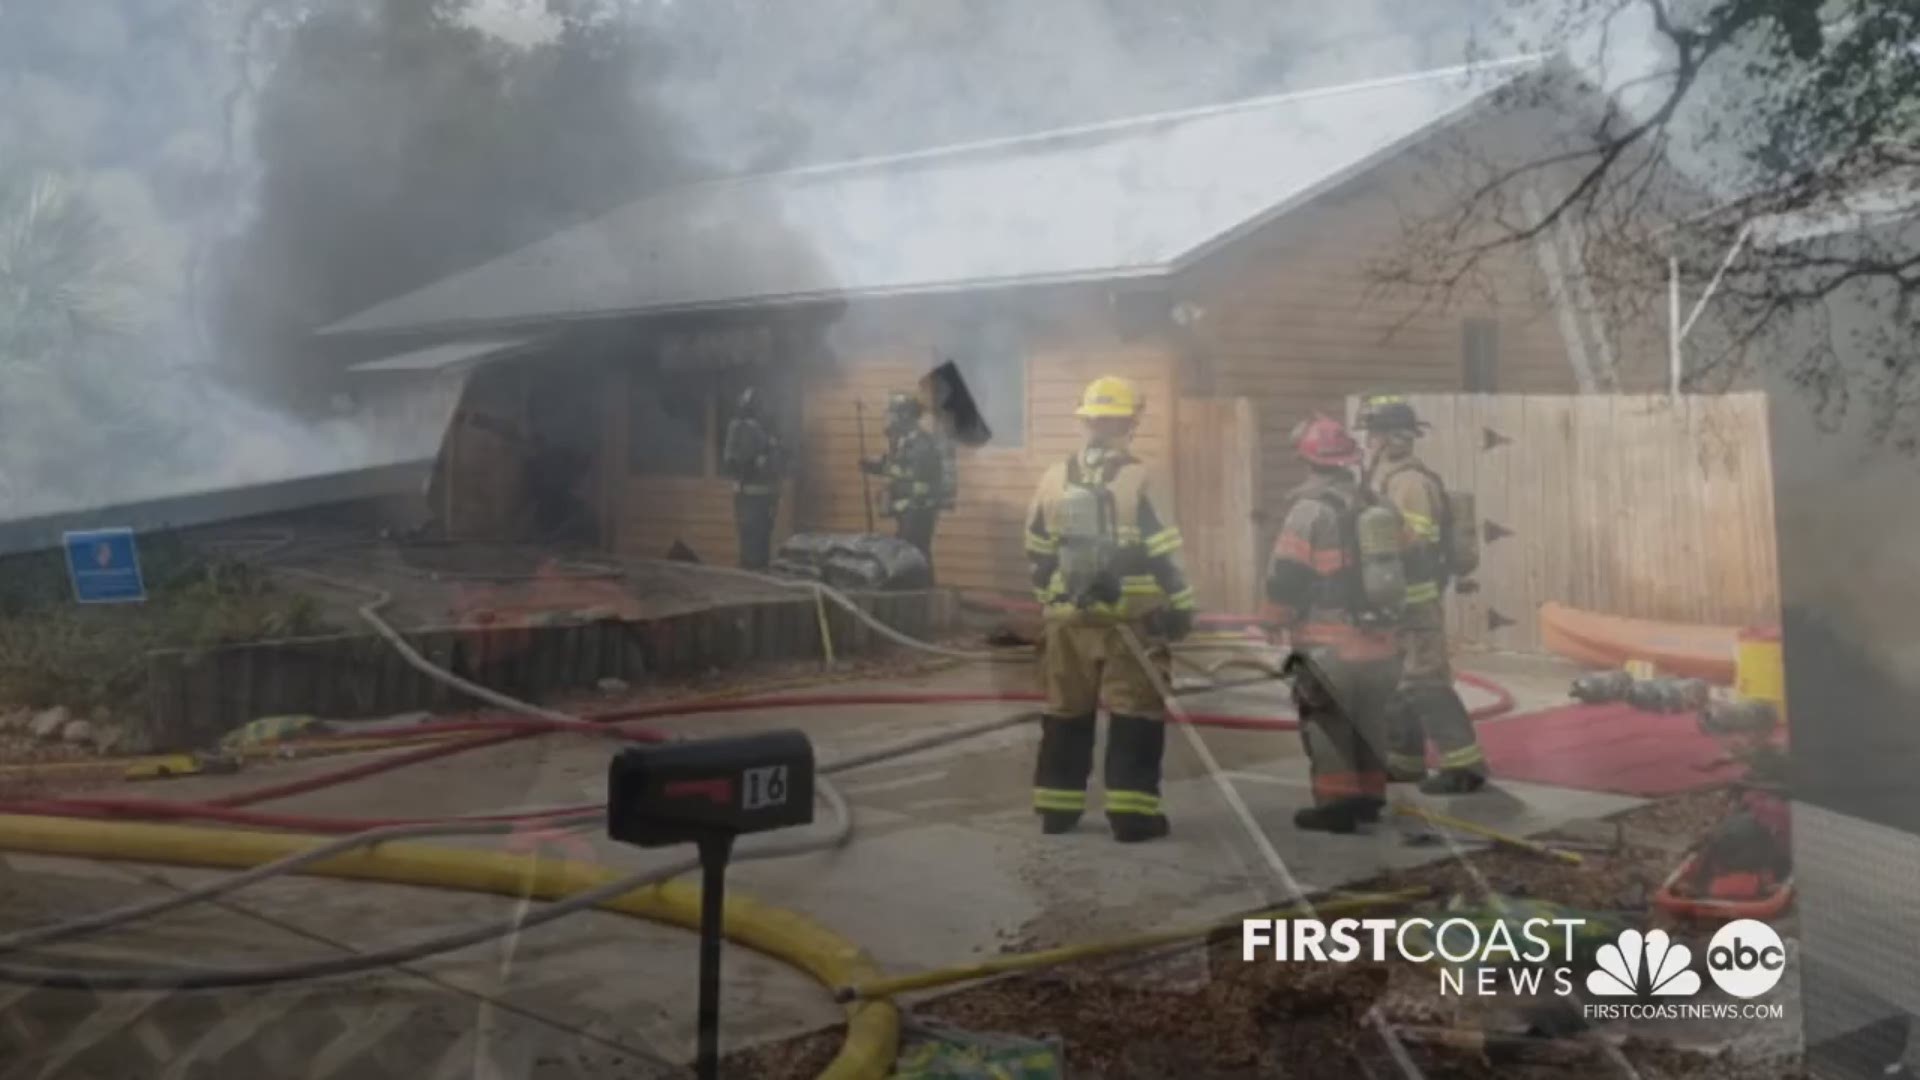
(1336, 586)
(915, 468)
(1426, 706)
(1106, 567)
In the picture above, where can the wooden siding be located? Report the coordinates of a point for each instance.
(978, 545)
(479, 487)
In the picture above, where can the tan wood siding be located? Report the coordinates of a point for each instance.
(479, 490)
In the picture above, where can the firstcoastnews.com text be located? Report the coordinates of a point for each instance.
(1676, 1010)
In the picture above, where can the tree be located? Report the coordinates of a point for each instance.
(68, 406)
(399, 143)
(1744, 120)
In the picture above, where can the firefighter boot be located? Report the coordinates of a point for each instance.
(1138, 828)
(1338, 816)
(1060, 772)
(1463, 766)
(1406, 741)
(1135, 746)
(1454, 782)
(1055, 822)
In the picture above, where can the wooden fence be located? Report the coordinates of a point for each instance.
(1647, 506)
(1216, 486)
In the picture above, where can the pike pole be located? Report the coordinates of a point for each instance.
(866, 487)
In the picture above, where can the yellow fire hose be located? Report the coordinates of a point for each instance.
(1044, 958)
(1433, 817)
(873, 1028)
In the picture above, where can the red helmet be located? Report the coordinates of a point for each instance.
(1326, 441)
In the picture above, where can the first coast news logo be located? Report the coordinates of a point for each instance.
(1637, 976)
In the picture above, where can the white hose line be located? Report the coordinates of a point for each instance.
(407, 952)
(841, 600)
(120, 916)
(1276, 865)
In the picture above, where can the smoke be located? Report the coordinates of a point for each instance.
(772, 84)
(267, 166)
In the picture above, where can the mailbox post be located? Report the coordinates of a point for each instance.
(706, 793)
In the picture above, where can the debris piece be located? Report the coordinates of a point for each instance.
(1669, 695)
(48, 723)
(943, 1052)
(267, 730)
(1753, 717)
(109, 737)
(1601, 686)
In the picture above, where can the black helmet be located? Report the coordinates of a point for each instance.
(1383, 413)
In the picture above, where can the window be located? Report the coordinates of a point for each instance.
(682, 401)
(670, 423)
(992, 357)
(1480, 356)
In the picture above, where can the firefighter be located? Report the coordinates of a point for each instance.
(752, 457)
(915, 470)
(1426, 705)
(1106, 568)
(1344, 662)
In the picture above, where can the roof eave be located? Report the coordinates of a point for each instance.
(454, 327)
(1469, 111)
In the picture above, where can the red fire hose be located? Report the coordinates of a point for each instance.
(497, 730)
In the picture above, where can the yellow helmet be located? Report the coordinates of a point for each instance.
(1110, 395)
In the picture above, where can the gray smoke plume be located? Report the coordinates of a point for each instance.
(251, 169)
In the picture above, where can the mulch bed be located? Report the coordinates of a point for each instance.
(1310, 1021)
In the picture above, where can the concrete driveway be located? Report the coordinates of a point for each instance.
(947, 866)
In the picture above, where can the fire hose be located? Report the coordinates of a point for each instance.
(499, 731)
(546, 720)
(222, 978)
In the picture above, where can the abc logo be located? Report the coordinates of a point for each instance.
(1746, 958)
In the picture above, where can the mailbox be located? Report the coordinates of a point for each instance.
(687, 792)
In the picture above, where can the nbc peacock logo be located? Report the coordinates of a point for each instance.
(1644, 964)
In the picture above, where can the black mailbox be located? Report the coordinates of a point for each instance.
(677, 793)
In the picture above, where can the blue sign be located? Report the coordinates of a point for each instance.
(105, 566)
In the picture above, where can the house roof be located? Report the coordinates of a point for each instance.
(1137, 197)
(220, 505)
(386, 445)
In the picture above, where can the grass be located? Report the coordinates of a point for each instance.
(56, 652)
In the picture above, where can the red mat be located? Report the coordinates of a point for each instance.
(1615, 748)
